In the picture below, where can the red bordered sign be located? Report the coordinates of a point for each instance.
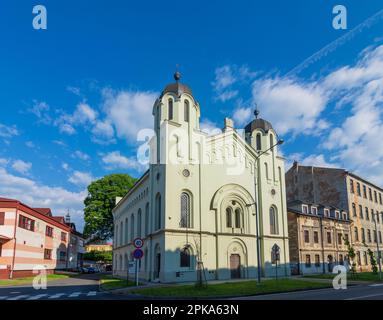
(138, 242)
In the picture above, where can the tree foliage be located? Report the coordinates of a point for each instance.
(100, 201)
(98, 256)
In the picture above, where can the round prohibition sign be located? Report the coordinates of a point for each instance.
(138, 242)
(138, 254)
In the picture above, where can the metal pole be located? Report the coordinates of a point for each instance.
(136, 272)
(377, 248)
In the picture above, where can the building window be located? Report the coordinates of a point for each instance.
(341, 261)
(339, 238)
(132, 236)
(185, 258)
(307, 236)
(267, 171)
(316, 237)
(363, 235)
(26, 223)
(358, 258)
(314, 210)
(47, 254)
(170, 106)
(351, 186)
(369, 235)
(158, 211)
(308, 261)
(62, 256)
(380, 198)
(185, 210)
(375, 196)
(329, 237)
(186, 111)
(317, 260)
(353, 210)
(346, 238)
(375, 237)
(358, 189)
(326, 212)
(365, 258)
(370, 194)
(380, 237)
(273, 220)
(238, 218)
(372, 215)
(49, 231)
(377, 216)
(258, 142)
(63, 236)
(2, 218)
(139, 223)
(147, 218)
(356, 233)
(364, 192)
(229, 213)
(305, 209)
(360, 211)
(367, 215)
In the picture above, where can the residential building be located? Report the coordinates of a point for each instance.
(317, 237)
(31, 239)
(348, 191)
(195, 207)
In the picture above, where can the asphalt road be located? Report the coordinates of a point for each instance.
(355, 292)
(82, 287)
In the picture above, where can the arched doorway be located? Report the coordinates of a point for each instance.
(235, 266)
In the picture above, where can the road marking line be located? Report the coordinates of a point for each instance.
(37, 296)
(376, 285)
(91, 293)
(15, 292)
(74, 294)
(369, 296)
(19, 297)
(57, 295)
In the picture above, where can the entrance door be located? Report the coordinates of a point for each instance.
(235, 266)
(158, 266)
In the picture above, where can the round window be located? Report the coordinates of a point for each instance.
(186, 173)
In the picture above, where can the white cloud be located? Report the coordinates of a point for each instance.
(81, 178)
(30, 144)
(66, 128)
(21, 166)
(41, 110)
(81, 155)
(65, 166)
(242, 115)
(114, 160)
(8, 131)
(129, 111)
(3, 161)
(34, 194)
(209, 127)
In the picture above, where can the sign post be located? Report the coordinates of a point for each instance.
(137, 254)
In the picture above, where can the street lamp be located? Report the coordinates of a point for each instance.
(377, 245)
(256, 184)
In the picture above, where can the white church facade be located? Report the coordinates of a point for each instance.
(196, 206)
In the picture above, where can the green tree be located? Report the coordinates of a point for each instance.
(373, 261)
(98, 256)
(351, 255)
(100, 201)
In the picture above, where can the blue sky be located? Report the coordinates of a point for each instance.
(74, 96)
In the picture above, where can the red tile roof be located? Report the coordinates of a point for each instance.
(45, 211)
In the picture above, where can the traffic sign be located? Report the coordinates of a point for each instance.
(138, 242)
(138, 253)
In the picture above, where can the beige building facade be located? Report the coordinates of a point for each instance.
(196, 205)
(318, 237)
(343, 189)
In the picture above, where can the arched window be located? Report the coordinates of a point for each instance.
(266, 171)
(147, 218)
(170, 108)
(258, 142)
(126, 231)
(186, 111)
(139, 223)
(273, 221)
(229, 213)
(158, 211)
(185, 210)
(122, 233)
(238, 218)
(356, 234)
(185, 258)
(132, 227)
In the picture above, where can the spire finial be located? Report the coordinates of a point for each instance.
(177, 74)
(256, 111)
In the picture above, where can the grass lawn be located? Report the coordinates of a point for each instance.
(108, 282)
(231, 288)
(359, 276)
(29, 280)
